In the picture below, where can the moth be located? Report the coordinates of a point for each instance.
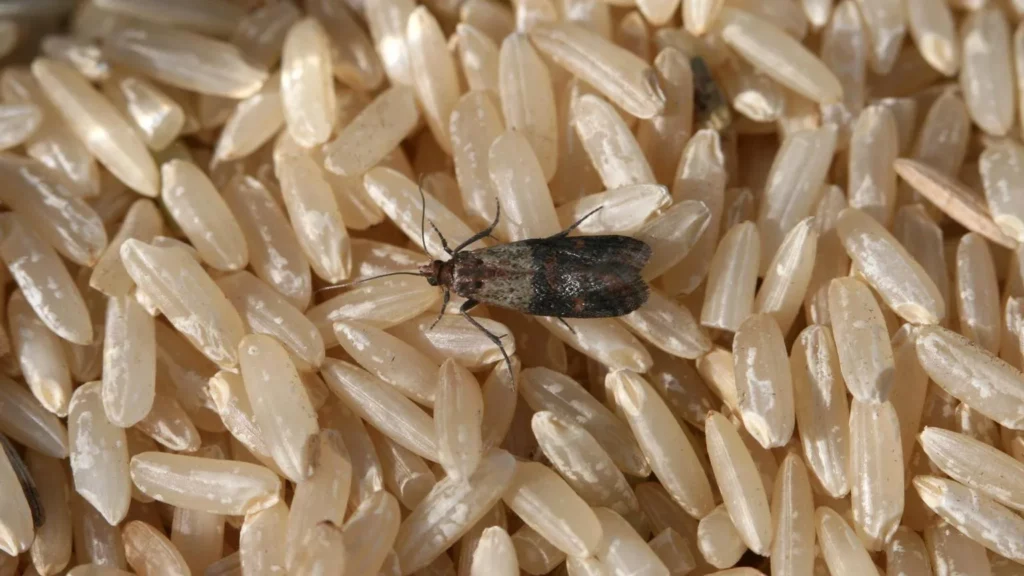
(560, 276)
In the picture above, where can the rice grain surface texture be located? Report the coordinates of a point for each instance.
(201, 372)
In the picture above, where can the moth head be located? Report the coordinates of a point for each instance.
(432, 272)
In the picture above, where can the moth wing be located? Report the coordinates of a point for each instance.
(589, 277)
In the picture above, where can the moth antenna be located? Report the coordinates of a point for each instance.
(358, 281)
(423, 214)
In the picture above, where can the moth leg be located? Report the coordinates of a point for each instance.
(483, 233)
(577, 223)
(566, 324)
(444, 243)
(464, 310)
(444, 306)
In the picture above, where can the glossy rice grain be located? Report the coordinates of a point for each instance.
(898, 279)
(280, 404)
(373, 133)
(519, 181)
(548, 505)
(732, 278)
(663, 137)
(778, 55)
(198, 209)
(986, 383)
(29, 423)
(789, 275)
(187, 297)
(1001, 166)
(207, 484)
(610, 144)
(433, 73)
(953, 198)
(976, 516)
(44, 281)
(906, 554)
(987, 71)
(764, 382)
(618, 74)
(252, 123)
(794, 185)
(39, 356)
(184, 59)
(129, 362)
(99, 455)
(479, 57)
(142, 221)
(458, 418)
(737, 477)
(862, 340)
(876, 472)
(46, 201)
(977, 293)
(717, 539)
(377, 351)
(97, 123)
(874, 145)
(976, 465)
(383, 407)
(665, 444)
(546, 389)
(528, 99)
(307, 85)
(843, 552)
(451, 508)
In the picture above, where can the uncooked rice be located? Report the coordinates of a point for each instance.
(196, 376)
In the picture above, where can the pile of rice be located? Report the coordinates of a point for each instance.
(826, 377)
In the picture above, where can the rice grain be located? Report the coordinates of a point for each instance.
(261, 542)
(585, 465)
(129, 362)
(99, 455)
(953, 198)
(718, 540)
(353, 58)
(53, 143)
(900, 280)
(184, 59)
(954, 553)
(987, 71)
(383, 406)
(548, 505)
(732, 279)
(28, 423)
(672, 234)
(319, 498)
(433, 73)
(843, 552)
(458, 416)
(973, 375)
(274, 251)
(188, 297)
(528, 99)
(618, 74)
(778, 55)
(876, 472)
(251, 123)
(280, 404)
(865, 353)
(907, 554)
(545, 389)
(610, 144)
(39, 356)
(451, 508)
(206, 484)
(51, 548)
(97, 123)
(764, 383)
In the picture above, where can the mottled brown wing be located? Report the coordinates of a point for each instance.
(577, 277)
(588, 276)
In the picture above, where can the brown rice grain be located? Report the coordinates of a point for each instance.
(718, 540)
(737, 477)
(434, 525)
(320, 498)
(764, 383)
(40, 356)
(99, 455)
(732, 279)
(954, 553)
